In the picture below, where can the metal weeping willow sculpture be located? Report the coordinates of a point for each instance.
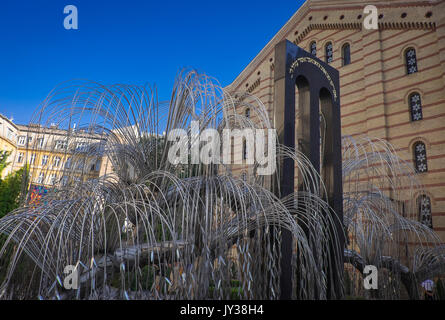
(381, 217)
(151, 229)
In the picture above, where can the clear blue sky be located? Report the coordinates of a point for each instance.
(127, 41)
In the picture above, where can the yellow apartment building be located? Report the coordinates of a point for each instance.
(8, 139)
(54, 155)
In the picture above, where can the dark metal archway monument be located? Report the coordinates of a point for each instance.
(318, 125)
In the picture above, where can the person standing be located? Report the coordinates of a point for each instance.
(428, 287)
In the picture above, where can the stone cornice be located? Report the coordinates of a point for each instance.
(358, 26)
(4, 118)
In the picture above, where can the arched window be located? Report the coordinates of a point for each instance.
(247, 113)
(346, 54)
(313, 48)
(329, 53)
(415, 105)
(420, 158)
(425, 215)
(411, 60)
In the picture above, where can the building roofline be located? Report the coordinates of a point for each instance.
(325, 5)
(9, 121)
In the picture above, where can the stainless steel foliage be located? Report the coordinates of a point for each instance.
(381, 215)
(149, 229)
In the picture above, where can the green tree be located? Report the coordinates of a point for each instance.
(4, 160)
(11, 186)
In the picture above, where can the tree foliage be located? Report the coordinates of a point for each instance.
(4, 160)
(10, 186)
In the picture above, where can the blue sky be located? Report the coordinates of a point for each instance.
(131, 41)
